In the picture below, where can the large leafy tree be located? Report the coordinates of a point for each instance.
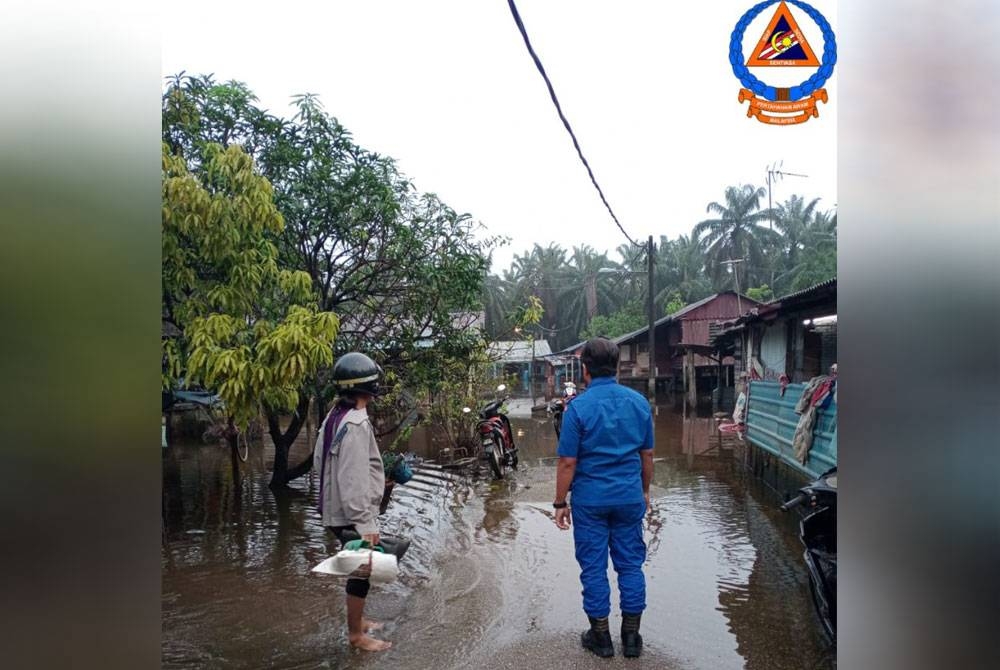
(736, 233)
(243, 326)
(625, 320)
(397, 265)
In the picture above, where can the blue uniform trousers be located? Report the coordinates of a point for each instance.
(618, 529)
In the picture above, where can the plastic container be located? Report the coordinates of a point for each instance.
(385, 568)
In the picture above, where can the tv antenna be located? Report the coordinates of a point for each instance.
(775, 174)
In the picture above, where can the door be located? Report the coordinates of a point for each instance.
(812, 351)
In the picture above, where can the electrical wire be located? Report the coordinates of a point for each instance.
(555, 101)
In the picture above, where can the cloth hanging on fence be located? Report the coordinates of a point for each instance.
(816, 394)
(740, 411)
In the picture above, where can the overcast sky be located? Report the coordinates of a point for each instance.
(449, 90)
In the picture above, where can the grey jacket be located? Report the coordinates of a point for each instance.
(354, 479)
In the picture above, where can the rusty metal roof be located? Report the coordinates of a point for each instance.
(678, 315)
(820, 290)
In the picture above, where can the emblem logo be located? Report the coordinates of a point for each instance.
(782, 45)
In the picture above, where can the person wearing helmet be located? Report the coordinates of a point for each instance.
(352, 479)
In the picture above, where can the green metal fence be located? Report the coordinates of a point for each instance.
(771, 422)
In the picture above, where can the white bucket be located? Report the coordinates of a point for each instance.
(343, 563)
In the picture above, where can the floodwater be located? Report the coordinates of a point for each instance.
(489, 581)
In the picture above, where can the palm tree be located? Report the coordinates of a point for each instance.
(818, 258)
(736, 233)
(497, 305)
(585, 291)
(683, 261)
(540, 272)
(793, 218)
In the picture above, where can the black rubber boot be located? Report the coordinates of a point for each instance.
(598, 638)
(631, 640)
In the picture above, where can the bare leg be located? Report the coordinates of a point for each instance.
(356, 628)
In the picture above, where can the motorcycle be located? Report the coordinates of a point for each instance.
(557, 406)
(496, 436)
(818, 533)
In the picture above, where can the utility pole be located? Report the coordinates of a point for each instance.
(590, 290)
(651, 390)
(531, 371)
(736, 275)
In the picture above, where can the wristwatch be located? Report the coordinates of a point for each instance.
(562, 505)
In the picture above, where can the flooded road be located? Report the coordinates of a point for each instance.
(489, 581)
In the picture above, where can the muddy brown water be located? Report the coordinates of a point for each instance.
(489, 581)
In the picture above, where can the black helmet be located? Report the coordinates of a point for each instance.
(357, 372)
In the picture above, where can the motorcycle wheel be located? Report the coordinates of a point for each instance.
(496, 460)
(829, 626)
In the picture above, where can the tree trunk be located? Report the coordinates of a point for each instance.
(281, 475)
(232, 437)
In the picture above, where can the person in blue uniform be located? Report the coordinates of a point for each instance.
(606, 464)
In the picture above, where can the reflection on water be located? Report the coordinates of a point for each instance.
(488, 577)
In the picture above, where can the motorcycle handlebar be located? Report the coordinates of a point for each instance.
(794, 502)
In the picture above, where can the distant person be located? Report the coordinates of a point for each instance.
(606, 460)
(352, 479)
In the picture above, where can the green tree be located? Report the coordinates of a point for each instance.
(540, 272)
(398, 265)
(587, 294)
(249, 330)
(761, 293)
(818, 259)
(497, 306)
(737, 233)
(675, 302)
(792, 219)
(681, 264)
(626, 320)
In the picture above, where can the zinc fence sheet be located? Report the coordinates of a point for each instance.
(771, 422)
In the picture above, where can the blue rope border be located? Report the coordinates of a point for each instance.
(804, 89)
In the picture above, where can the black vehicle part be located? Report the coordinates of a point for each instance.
(496, 459)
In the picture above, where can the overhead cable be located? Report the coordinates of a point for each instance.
(555, 101)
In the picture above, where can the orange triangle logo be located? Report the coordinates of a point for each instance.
(782, 44)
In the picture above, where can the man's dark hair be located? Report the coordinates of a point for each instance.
(600, 355)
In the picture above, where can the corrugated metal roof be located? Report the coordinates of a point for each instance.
(732, 325)
(679, 314)
(518, 351)
(823, 284)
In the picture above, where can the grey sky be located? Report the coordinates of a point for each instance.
(448, 89)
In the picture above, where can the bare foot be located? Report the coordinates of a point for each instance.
(369, 625)
(366, 643)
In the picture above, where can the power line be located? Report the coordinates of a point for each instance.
(555, 101)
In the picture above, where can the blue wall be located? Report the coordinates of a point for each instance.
(771, 421)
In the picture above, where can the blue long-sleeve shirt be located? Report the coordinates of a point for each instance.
(604, 429)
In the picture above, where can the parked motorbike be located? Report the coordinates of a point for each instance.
(495, 435)
(557, 406)
(818, 533)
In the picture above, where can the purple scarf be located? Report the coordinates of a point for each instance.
(333, 420)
